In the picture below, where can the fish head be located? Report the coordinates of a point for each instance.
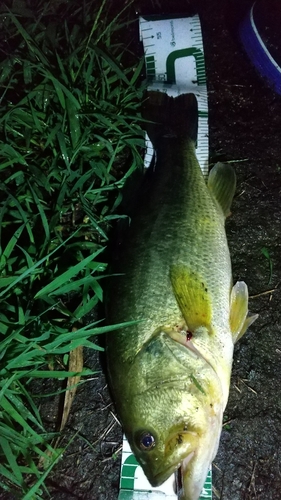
(172, 414)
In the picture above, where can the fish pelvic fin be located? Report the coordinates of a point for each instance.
(222, 184)
(192, 296)
(240, 317)
(172, 117)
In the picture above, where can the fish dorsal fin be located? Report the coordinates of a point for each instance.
(192, 297)
(222, 184)
(240, 318)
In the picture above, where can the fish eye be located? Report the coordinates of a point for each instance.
(146, 441)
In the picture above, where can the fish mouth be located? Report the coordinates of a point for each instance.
(184, 444)
(179, 474)
(177, 469)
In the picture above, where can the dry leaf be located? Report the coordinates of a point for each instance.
(75, 365)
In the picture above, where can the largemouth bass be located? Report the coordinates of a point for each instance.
(169, 372)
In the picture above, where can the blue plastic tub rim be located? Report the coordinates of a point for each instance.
(258, 52)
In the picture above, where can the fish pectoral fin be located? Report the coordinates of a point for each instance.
(192, 297)
(222, 184)
(240, 317)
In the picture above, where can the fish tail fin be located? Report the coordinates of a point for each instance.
(171, 116)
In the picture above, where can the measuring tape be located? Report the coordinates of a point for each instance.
(174, 59)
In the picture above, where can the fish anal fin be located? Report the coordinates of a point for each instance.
(240, 318)
(192, 297)
(222, 184)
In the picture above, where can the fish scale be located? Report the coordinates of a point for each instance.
(157, 236)
(169, 372)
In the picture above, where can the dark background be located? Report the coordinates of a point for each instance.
(245, 125)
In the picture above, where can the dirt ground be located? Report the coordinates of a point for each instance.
(245, 125)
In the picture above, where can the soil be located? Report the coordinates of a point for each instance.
(245, 124)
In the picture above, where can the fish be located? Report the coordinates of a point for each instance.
(169, 363)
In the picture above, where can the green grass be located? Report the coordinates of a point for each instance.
(70, 136)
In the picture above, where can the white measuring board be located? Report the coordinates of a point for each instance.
(174, 59)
